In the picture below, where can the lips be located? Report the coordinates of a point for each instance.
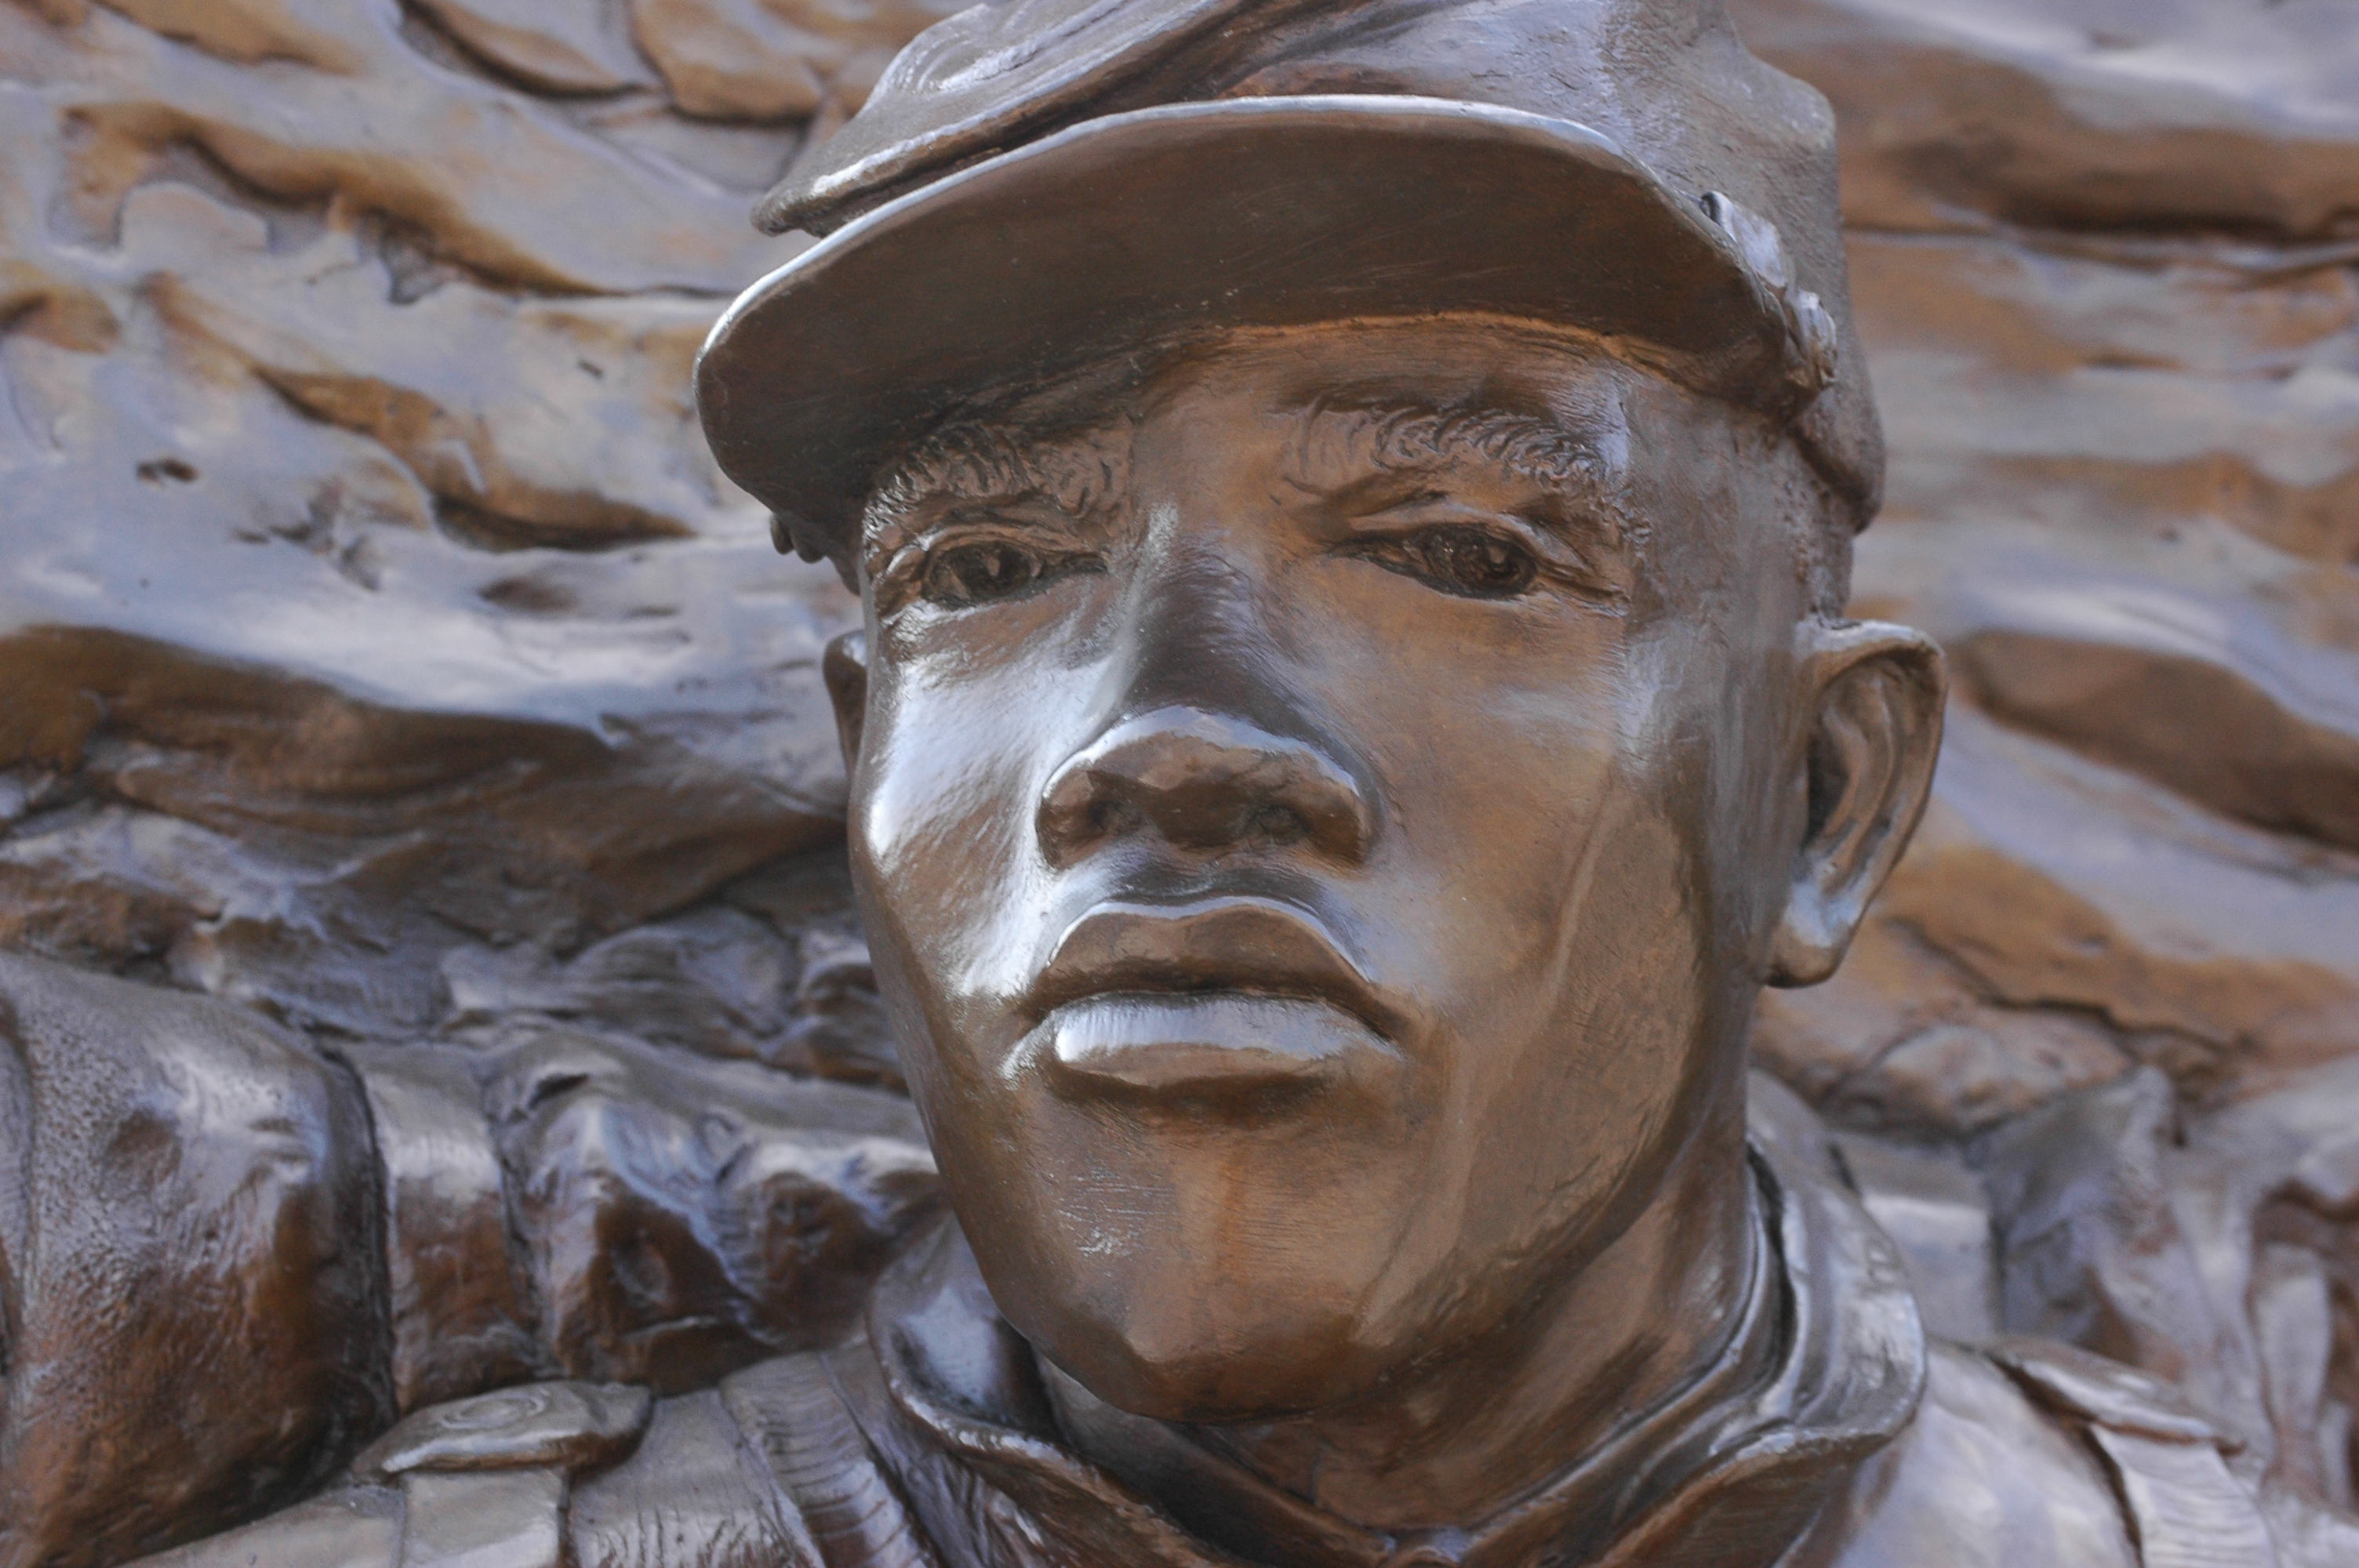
(1213, 945)
(1224, 993)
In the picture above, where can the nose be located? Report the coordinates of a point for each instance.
(1206, 782)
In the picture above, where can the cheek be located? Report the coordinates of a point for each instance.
(961, 709)
(1461, 700)
(937, 795)
(1542, 882)
(1494, 735)
(957, 753)
(1576, 1121)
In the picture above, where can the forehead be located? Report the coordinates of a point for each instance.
(1327, 408)
(1454, 365)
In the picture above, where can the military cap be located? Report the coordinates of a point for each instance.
(1039, 185)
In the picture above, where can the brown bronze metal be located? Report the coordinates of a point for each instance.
(1354, 700)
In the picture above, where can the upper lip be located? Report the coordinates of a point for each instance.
(1223, 944)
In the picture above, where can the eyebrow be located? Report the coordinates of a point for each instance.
(1077, 472)
(1408, 439)
(1083, 472)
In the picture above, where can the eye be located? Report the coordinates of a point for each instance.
(981, 572)
(1477, 562)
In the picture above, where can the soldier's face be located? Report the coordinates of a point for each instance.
(1320, 823)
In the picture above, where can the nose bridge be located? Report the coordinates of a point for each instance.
(1195, 637)
(1203, 780)
(1207, 744)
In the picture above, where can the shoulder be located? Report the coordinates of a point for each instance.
(766, 1469)
(1981, 1478)
(2031, 1454)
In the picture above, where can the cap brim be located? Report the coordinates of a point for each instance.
(1244, 212)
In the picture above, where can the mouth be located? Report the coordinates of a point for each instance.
(1221, 994)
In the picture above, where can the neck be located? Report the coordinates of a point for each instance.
(1628, 1327)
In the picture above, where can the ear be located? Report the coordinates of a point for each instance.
(1876, 732)
(844, 667)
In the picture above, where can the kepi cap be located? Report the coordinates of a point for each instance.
(1014, 204)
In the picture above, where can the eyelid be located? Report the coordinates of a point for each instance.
(923, 527)
(1444, 511)
(1590, 574)
(1571, 522)
(1055, 537)
(1028, 514)
(1435, 506)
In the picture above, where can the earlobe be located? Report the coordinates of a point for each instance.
(844, 667)
(1874, 735)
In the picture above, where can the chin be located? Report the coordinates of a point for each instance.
(1191, 1263)
(1258, 1368)
(1182, 1339)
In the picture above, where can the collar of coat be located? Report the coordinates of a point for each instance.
(1823, 1369)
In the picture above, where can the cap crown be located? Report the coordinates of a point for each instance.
(1668, 80)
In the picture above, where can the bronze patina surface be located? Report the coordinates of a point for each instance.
(1359, 738)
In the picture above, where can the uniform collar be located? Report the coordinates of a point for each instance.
(1824, 1368)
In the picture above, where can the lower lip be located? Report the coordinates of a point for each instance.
(1214, 1043)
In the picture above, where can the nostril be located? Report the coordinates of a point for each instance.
(1279, 825)
(1200, 781)
(1108, 819)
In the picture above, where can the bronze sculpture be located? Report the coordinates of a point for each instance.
(1237, 1012)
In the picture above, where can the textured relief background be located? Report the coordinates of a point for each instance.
(380, 650)
(2105, 256)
